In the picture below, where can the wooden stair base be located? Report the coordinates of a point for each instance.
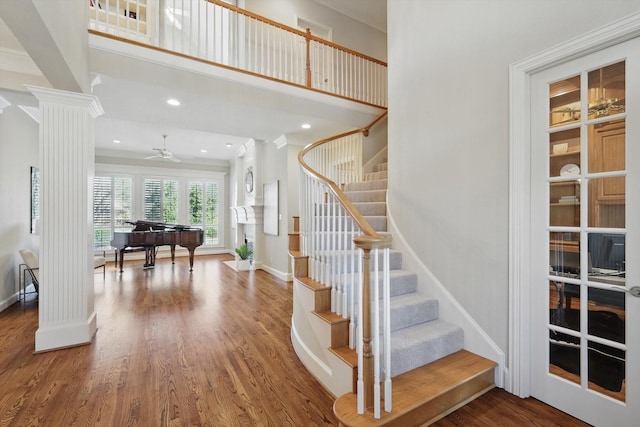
(426, 394)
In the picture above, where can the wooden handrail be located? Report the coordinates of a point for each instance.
(301, 33)
(374, 239)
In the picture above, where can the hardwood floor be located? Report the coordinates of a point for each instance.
(173, 348)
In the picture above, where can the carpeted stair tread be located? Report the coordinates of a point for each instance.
(379, 223)
(374, 176)
(343, 258)
(380, 167)
(380, 184)
(421, 344)
(401, 282)
(371, 208)
(412, 309)
(367, 196)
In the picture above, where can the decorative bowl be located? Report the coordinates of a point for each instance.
(560, 148)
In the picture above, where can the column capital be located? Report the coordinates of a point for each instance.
(71, 99)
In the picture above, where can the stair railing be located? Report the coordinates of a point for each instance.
(221, 34)
(341, 245)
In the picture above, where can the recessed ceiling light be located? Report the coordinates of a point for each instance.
(173, 101)
(229, 145)
(203, 151)
(306, 126)
(116, 141)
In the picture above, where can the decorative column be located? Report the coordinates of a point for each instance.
(67, 163)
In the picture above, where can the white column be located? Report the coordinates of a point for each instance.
(66, 308)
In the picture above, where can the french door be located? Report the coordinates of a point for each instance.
(585, 219)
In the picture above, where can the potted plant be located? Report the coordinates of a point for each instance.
(243, 263)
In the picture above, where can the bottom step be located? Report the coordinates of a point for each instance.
(426, 394)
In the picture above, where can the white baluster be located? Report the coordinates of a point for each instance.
(376, 335)
(387, 332)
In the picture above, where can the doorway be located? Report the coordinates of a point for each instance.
(574, 223)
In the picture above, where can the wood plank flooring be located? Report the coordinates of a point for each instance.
(173, 348)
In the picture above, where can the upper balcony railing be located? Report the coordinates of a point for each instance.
(221, 34)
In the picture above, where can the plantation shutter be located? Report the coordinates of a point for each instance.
(161, 200)
(211, 223)
(102, 210)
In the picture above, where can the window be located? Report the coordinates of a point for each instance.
(203, 209)
(161, 200)
(112, 207)
(184, 198)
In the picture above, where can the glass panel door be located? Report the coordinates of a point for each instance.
(586, 306)
(584, 223)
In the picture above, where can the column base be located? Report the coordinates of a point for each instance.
(66, 335)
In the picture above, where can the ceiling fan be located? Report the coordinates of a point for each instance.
(163, 153)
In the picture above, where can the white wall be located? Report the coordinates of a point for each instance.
(347, 32)
(18, 152)
(448, 131)
(275, 169)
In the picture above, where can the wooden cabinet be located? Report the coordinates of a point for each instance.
(607, 196)
(132, 19)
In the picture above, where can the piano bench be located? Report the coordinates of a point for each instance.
(128, 250)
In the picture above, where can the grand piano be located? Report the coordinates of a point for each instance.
(148, 235)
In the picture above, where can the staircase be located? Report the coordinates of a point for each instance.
(432, 374)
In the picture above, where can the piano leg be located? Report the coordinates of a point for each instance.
(173, 254)
(121, 259)
(150, 256)
(191, 252)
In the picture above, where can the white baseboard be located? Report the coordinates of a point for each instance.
(8, 302)
(287, 277)
(57, 336)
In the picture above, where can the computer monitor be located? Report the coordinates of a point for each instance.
(609, 249)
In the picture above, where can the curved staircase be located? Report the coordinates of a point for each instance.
(432, 374)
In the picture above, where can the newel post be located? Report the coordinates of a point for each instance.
(367, 350)
(368, 243)
(308, 63)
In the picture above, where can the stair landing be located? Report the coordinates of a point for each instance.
(426, 394)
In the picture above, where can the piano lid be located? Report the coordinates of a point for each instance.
(142, 225)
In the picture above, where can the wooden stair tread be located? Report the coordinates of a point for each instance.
(330, 317)
(347, 355)
(312, 284)
(297, 254)
(427, 393)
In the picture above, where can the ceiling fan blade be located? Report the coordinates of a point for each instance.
(152, 157)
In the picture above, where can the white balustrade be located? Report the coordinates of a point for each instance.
(339, 254)
(220, 33)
